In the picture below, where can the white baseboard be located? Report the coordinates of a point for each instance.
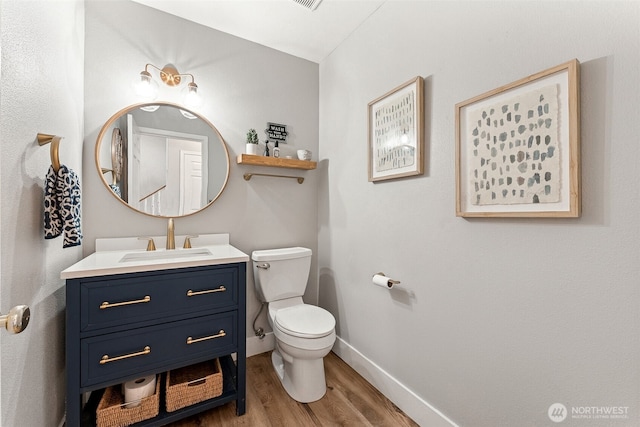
(255, 345)
(411, 404)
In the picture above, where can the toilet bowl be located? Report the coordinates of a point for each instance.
(304, 333)
(304, 336)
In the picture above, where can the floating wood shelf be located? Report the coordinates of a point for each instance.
(277, 162)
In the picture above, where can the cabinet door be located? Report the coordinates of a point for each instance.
(156, 348)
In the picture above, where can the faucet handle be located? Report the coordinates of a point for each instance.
(187, 241)
(151, 246)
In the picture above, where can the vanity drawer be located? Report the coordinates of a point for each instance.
(116, 300)
(122, 354)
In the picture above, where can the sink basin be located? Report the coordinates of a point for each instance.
(159, 255)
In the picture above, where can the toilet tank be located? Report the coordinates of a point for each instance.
(281, 273)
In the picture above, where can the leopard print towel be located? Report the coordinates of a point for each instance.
(62, 206)
(52, 221)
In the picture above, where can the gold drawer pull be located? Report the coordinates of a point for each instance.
(107, 359)
(220, 334)
(107, 304)
(191, 293)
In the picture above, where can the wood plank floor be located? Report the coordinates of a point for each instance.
(350, 401)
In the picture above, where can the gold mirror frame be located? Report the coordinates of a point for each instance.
(102, 171)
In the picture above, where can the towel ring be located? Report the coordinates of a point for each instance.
(44, 139)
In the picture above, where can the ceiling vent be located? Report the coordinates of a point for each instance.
(309, 4)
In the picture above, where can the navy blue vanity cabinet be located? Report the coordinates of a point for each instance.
(124, 326)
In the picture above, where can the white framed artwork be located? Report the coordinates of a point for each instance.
(396, 132)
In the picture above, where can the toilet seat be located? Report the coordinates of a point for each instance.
(305, 321)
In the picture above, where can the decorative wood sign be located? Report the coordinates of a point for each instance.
(276, 132)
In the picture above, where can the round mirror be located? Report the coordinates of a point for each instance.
(162, 159)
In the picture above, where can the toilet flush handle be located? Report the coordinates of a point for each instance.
(264, 266)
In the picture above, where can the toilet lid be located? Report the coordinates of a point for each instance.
(304, 320)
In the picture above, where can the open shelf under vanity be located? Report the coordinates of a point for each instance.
(229, 394)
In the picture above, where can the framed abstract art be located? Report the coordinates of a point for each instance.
(518, 148)
(396, 132)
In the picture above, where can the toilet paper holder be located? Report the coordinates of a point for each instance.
(390, 283)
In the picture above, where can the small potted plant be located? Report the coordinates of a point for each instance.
(252, 142)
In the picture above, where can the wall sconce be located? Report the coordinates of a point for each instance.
(147, 88)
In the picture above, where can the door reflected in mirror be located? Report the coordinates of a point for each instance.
(162, 160)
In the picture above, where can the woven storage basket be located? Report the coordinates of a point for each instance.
(192, 384)
(111, 411)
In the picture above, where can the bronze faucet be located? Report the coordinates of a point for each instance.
(171, 239)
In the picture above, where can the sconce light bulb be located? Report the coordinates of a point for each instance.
(146, 87)
(192, 98)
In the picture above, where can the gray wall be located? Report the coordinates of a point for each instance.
(502, 317)
(41, 91)
(245, 85)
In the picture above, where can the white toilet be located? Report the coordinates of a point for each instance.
(304, 333)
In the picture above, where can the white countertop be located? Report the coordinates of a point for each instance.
(108, 262)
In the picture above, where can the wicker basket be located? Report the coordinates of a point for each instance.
(192, 384)
(111, 411)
